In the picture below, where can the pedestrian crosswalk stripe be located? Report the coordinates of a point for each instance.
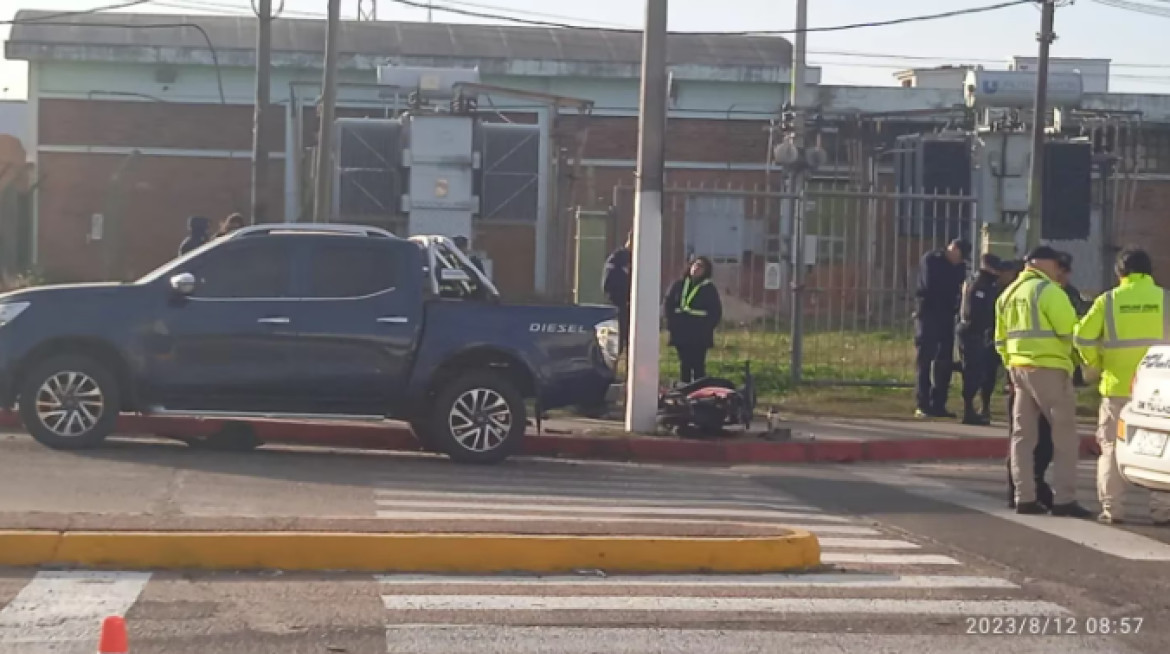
(58, 609)
(831, 580)
(838, 530)
(458, 489)
(867, 543)
(683, 511)
(1108, 540)
(474, 639)
(785, 605)
(886, 559)
(569, 517)
(750, 502)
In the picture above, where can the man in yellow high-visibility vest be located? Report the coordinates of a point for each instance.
(1033, 334)
(1113, 337)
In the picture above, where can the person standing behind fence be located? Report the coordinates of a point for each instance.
(198, 233)
(940, 283)
(976, 339)
(1033, 333)
(1113, 337)
(615, 283)
(693, 310)
(230, 224)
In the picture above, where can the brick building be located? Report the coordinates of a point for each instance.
(136, 123)
(145, 125)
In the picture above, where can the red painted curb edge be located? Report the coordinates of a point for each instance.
(639, 448)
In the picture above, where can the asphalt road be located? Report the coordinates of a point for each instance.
(918, 558)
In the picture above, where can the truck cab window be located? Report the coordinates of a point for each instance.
(251, 269)
(342, 267)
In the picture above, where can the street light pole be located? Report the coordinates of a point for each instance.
(799, 108)
(323, 175)
(1039, 124)
(260, 115)
(642, 377)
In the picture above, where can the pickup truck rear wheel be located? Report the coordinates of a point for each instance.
(479, 417)
(69, 402)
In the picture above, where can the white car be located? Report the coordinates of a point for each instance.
(1144, 429)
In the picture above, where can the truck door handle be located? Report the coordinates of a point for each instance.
(397, 320)
(279, 320)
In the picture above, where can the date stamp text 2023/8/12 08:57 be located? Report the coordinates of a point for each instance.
(1053, 626)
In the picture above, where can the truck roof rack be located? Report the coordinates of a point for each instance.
(312, 228)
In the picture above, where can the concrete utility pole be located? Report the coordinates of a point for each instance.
(260, 117)
(798, 102)
(1040, 123)
(642, 378)
(323, 173)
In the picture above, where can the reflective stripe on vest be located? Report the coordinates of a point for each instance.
(688, 295)
(1034, 307)
(1111, 341)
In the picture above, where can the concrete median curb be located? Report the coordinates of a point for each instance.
(404, 552)
(394, 437)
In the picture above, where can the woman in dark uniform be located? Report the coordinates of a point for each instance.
(693, 310)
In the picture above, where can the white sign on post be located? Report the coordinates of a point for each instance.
(810, 249)
(772, 276)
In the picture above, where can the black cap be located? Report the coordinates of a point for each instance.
(1064, 260)
(964, 248)
(991, 262)
(1043, 253)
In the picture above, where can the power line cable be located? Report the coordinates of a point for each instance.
(418, 4)
(79, 12)
(1136, 7)
(40, 21)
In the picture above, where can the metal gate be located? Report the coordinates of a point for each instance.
(844, 314)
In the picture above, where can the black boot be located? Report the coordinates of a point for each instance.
(1071, 510)
(1030, 508)
(1044, 495)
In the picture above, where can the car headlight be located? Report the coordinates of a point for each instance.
(10, 310)
(609, 338)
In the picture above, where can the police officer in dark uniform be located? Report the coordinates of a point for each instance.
(1065, 261)
(940, 283)
(976, 332)
(616, 283)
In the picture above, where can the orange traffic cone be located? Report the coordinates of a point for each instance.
(114, 640)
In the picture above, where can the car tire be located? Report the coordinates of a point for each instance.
(479, 417)
(70, 402)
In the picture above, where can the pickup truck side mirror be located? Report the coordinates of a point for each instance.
(183, 283)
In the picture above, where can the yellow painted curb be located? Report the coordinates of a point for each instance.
(19, 548)
(424, 552)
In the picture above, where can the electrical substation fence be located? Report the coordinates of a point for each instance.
(854, 293)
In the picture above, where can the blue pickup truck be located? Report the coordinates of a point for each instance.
(303, 322)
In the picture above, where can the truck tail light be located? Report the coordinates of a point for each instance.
(609, 339)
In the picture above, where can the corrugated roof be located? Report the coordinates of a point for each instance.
(390, 39)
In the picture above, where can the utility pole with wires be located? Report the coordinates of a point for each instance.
(322, 174)
(264, 17)
(1040, 123)
(646, 291)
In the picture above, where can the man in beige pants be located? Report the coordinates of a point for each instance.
(1114, 336)
(1033, 334)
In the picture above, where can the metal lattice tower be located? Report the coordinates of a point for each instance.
(367, 10)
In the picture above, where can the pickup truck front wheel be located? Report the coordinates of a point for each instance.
(479, 417)
(69, 402)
